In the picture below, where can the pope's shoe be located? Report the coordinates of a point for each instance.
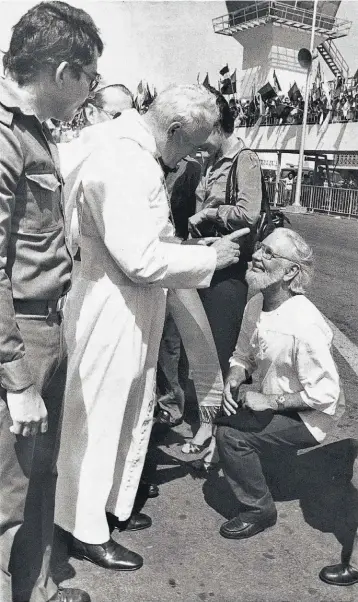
(70, 595)
(136, 522)
(109, 555)
(236, 528)
(339, 574)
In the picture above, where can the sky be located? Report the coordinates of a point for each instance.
(165, 42)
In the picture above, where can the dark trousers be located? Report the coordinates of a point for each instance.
(354, 553)
(28, 472)
(224, 303)
(240, 454)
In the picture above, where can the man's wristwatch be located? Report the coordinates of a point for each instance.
(281, 402)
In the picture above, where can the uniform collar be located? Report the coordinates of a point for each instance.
(11, 99)
(235, 148)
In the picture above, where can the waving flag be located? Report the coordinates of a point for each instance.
(267, 92)
(294, 93)
(276, 83)
(224, 70)
(206, 81)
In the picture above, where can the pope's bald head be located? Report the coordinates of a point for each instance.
(114, 99)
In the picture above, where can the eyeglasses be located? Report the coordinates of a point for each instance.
(112, 115)
(93, 79)
(268, 253)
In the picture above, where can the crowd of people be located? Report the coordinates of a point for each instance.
(339, 101)
(102, 250)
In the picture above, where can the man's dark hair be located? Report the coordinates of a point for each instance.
(50, 33)
(98, 100)
(226, 119)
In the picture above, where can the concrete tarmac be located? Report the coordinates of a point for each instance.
(185, 558)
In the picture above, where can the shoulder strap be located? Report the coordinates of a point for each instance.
(231, 182)
(265, 204)
(232, 187)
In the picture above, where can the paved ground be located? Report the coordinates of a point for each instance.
(186, 560)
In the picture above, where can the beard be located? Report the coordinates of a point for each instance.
(259, 281)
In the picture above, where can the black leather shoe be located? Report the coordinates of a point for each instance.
(163, 417)
(153, 490)
(148, 490)
(109, 555)
(236, 528)
(137, 522)
(339, 574)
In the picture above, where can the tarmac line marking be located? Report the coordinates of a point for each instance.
(344, 345)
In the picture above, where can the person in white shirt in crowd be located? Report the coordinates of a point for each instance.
(288, 186)
(285, 343)
(129, 257)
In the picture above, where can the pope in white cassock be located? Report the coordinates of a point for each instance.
(116, 312)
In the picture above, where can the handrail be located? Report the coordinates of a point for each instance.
(332, 50)
(312, 119)
(342, 201)
(277, 10)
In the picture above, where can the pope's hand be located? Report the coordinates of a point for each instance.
(27, 411)
(228, 248)
(206, 242)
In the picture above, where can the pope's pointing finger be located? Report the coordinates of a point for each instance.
(234, 236)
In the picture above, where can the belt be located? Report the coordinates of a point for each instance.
(39, 307)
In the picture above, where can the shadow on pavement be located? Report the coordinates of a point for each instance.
(319, 479)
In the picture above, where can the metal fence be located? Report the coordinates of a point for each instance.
(341, 201)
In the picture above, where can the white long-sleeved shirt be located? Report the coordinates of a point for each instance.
(289, 349)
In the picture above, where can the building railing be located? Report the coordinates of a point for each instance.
(279, 12)
(312, 119)
(340, 201)
(334, 58)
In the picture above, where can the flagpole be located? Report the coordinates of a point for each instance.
(297, 202)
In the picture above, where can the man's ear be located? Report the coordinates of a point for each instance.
(174, 127)
(291, 272)
(61, 72)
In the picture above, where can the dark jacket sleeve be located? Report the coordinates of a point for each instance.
(14, 372)
(248, 206)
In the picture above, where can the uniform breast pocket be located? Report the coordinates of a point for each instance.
(38, 203)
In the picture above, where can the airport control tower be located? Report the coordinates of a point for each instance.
(272, 33)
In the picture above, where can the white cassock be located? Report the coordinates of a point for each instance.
(115, 316)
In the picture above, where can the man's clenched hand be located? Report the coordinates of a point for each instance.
(28, 412)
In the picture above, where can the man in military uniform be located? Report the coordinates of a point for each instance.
(42, 80)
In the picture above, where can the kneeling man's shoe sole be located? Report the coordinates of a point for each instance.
(339, 574)
(236, 528)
